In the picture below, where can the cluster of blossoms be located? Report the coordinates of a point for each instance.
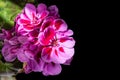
(40, 40)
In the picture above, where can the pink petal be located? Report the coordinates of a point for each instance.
(63, 55)
(23, 22)
(41, 7)
(46, 36)
(7, 34)
(61, 34)
(34, 33)
(23, 16)
(13, 41)
(10, 58)
(68, 62)
(68, 42)
(53, 10)
(34, 66)
(30, 10)
(29, 54)
(46, 23)
(22, 57)
(69, 33)
(22, 39)
(44, 14)
(56, 57)
(52, 69)
(60, 25)
(46, 54)
(68, 53)
(28, 27)
(49, 34)
(9, 52)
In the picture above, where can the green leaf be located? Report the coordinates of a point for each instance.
(5, 67)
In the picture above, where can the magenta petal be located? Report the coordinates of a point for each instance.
(14, 41)
(9, 52)
(68, 33)
(53, 10)
(10, 58)
(67, 54)
(61, 34)
(46, 23)
(21, 56)
(49, 34)
(7, 34)
(43, 14)
(52, 69)
(46, 54)
(23, 22)
(41, 7)
(30, 10)
(22, 39)
(28, 27)
(23, 16)
(34, 33)
(68, 62)
(68, 42)
(29, 54)
(60, 25)
(46, 36)
(56, 57)
(34, 66)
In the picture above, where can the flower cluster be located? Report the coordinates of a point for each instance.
(40, 40)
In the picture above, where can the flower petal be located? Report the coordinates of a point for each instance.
(30, 10)
(9, 52)
(44, 14)
(23, 16)
(60, 25)
(68, 62)
(56, 57)
(21, 56)
(67, 54)
(29, 54)
(41, 7)
(34, 66)
(46, 36)
(13, 41)
(28, 27)
(22, 39)
(53, 10)
(68, 42)
(23, 22)
(34, 33)
(61, 34)
(10, 58)
(46, 23)
(46, 54)
(52, 69)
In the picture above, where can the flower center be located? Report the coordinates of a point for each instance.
(54, 43)
(35, 21)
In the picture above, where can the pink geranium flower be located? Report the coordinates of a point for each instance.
(57, 50)
(32, 17)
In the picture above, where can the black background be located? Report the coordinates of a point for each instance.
(72, 11)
